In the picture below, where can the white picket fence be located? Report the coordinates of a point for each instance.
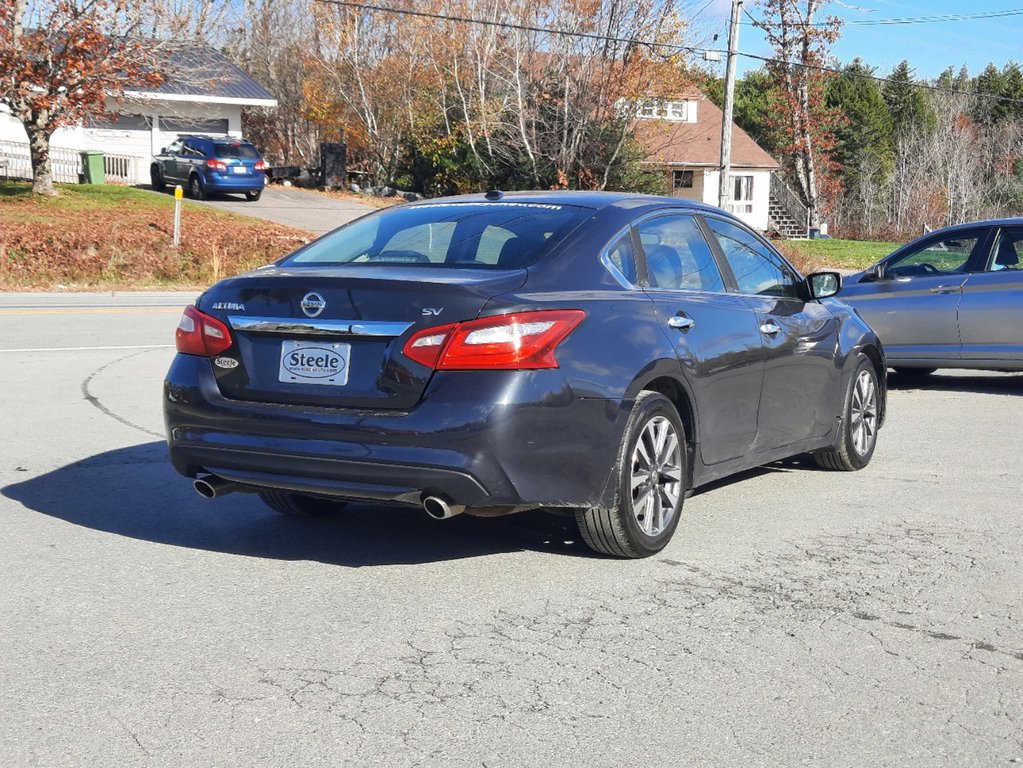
(66, 164)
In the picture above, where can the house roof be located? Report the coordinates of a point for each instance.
(676, 143)
(200, 73)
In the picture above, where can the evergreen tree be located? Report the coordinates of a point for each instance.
(864, 138)
(907, 103)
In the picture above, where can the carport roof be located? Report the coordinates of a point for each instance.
(200, 73)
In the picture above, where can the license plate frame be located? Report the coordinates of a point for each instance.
(239, 169)
(317, 363)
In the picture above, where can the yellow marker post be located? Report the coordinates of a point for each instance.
(178, 194)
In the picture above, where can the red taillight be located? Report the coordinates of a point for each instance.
(216, 165)
(200, 334)
(523, 340)
(260, 165)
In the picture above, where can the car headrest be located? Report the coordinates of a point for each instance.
(1007, 256)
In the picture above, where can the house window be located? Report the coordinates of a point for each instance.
(192, 125)
(647, 109)
(682, 179)
(116, 122)
(742, 194)
(676, 110)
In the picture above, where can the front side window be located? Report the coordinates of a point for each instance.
(948, 255)
(490, 235)
(757, 269)
(677, 255)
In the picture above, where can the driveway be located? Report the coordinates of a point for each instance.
(299, 208)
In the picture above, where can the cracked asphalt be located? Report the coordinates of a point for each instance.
(800, 617)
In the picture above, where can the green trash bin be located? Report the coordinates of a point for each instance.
(92, 167)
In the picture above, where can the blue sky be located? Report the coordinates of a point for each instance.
(929, 48)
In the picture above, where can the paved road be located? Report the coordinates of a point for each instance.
(799, 618)
(302, 209)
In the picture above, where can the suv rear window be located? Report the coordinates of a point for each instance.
(243, 151)
(476, 235)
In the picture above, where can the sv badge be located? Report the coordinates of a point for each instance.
(432, 311)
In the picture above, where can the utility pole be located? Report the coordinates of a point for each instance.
(726, 122)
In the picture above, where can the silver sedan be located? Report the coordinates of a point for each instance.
(950, 299)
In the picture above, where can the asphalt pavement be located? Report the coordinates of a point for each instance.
(800, 617)
(300, 208)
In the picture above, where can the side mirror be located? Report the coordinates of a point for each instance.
(821, 285)
(163, 150)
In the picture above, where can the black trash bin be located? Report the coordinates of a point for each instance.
(332, 165)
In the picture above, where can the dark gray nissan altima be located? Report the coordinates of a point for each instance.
(592, 353)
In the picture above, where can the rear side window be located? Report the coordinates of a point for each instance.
(677, 255)
(242, 151)
(622, 256)
(483, 235)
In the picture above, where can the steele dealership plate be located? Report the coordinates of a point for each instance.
(313, 362)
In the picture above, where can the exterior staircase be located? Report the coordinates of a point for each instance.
(786, 213)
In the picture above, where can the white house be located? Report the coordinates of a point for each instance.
(203, 93)
(682, 138)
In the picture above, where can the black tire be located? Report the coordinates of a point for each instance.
(862, 408)
(195, 188)
(299, 505)
(619, 530)
(914, 373)
(253, 195)
(156, 177)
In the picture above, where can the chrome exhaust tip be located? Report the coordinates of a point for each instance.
(439, 509)
(213, 487)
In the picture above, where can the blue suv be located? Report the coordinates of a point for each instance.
(205, 164)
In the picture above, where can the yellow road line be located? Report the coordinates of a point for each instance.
(93, 311)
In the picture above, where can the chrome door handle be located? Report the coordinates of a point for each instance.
(945, 288)
(770, 328)
(681, 322)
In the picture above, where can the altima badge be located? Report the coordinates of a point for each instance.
(313, 304)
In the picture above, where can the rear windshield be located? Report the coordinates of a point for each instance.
(243, 151)
(489, 235)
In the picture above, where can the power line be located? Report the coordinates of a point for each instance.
(937, 19)
(509, 25)
(653, 45)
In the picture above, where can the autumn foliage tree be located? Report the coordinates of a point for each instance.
(543, 94)
(802, 38)
(60, 60)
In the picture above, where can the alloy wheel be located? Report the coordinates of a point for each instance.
(656, 476)
(863, 413)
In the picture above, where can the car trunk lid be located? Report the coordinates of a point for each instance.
(333, 336)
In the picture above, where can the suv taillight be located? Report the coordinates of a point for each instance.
(216, 165)
(522, 340)
(260, 165)
(200, 334)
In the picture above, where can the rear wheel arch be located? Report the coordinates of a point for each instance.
(678, 392)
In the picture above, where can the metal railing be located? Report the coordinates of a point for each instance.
(66, 164)
(789, 201)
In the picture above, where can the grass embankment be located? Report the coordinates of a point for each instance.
(810, 255)
(117, 237)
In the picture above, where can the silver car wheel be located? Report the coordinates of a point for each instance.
(656, 476)
(863, 413)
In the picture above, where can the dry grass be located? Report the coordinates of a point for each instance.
(116, 237)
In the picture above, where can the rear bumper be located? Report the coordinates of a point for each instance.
(495, 438)
(215, 182)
